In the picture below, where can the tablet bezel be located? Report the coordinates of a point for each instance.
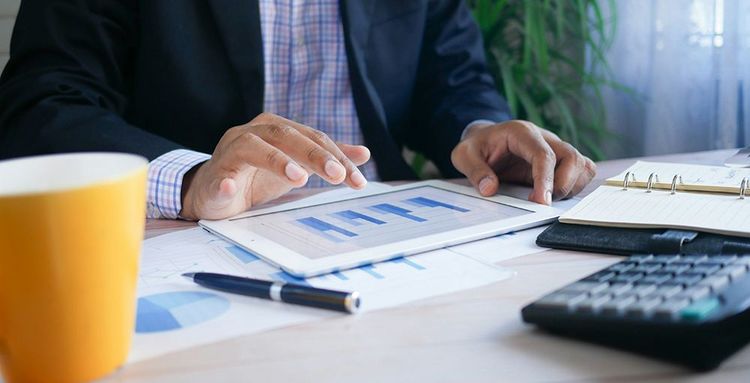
(302, 266)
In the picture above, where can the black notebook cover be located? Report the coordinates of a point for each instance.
(622, 241)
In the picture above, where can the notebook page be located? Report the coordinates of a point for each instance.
(613, 206)
(694, 177)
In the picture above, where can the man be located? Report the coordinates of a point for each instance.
(280, 91)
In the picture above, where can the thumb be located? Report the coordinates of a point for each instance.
(220, 198)
(226, 189)
(472, 164)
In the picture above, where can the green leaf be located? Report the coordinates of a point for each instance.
(549, 58)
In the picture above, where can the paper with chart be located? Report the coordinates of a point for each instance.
(174, 313)
(693, 177)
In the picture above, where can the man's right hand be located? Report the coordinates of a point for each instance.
(261, 161)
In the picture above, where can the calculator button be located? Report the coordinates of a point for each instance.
(743, 260)
(685, 279)
(734, 272)
(693, 258)
(560, 300)
(592, 303)
(647, 267)
(656, 278)
(668, 291)
(715, 282)
(694, 293)
(670, 308)
(666, 258)
(705, 268)
(622, 267)
(640, 257)
(675, 268)
(627, 277)
(617, 304)
(601, 276)
(643, 307)
(724, 259)
(642, 290)
(682, 263)
(585, 287)
(618, 288)
(700, 309)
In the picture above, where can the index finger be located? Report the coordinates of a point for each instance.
(353, 177)
(528, 143)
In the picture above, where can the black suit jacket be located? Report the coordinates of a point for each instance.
(151, 76)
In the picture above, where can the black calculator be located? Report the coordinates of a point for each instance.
(690, 309)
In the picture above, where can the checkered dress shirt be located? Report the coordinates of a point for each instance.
(306, 80)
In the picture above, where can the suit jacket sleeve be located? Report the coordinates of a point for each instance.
(454, 86)
(65, 87)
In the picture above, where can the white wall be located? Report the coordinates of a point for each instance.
(8, 10)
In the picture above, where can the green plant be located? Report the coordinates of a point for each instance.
(548, 57)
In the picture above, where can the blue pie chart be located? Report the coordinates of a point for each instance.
(176, 310)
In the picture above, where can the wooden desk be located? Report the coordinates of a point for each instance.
(470, 336)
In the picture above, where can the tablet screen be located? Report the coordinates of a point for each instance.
(355, 224)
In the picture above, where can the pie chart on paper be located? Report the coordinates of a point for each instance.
(176, 310)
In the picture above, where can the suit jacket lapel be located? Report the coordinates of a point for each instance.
(238, 23)
(356, 16)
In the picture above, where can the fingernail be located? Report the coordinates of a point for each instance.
(359, 179)
(548, 198)
(485, 184)
(294, 172)
(334, 169)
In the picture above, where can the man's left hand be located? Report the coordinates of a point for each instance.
(521, 152)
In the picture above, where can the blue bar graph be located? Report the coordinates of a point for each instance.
(393, 209)
(352, 217)
(409, 262)
(322, 227)
(289, 278)
(370, 269)
(426, 202)
(340, 275)
(241, 254)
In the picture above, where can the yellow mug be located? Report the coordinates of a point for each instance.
(71, 227)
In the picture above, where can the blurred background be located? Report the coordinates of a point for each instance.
(616, 78)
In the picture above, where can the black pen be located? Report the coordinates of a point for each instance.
(279, 291)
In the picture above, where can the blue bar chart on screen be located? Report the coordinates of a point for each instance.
(426, 202)
(351, 217)
(359, 223)
(387, 208)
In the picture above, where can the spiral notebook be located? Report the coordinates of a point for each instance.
(710, 199)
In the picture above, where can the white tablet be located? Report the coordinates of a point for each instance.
(376, 226)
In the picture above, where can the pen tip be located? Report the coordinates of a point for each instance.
(188, 275)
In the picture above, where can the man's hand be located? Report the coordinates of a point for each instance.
(521, 152)
(262, 160)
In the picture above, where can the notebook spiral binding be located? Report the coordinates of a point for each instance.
(629, 177)
(677, 179)
(653, 177)
(674, 183)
